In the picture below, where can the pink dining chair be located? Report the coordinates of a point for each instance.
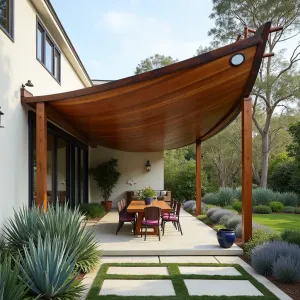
(151, 220)
(125, 217)
(174, 218)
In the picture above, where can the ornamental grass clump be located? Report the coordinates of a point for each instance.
(289, 209)
(233, 222)
(190, 205)
(262, 196)
(287, 269)
(210, 198)
(264, 256)
(288, 199)
(11, 287)
(61, 222)
(211, 210)
(225, 196)
(48, 269)
(291, 236)
(217, 215)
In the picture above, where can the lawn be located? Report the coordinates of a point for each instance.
(278, 222)
(178, 283)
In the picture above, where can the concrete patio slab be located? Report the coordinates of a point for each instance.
(137, 287)
(188, 259)
(199, 287)
(138, 270)
(210, 271)
(197, 239)
(129, 259)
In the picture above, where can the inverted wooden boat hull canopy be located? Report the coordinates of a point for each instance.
(165, 108)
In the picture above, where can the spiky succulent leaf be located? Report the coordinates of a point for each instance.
(11, 287)
(47, 268)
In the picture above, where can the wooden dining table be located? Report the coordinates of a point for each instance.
(138, 206)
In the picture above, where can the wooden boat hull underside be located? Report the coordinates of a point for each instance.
(166, 108)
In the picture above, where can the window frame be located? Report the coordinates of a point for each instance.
(46, 36)
(10, 32)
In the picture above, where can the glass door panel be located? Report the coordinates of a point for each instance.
(61, 174)
(50, 173)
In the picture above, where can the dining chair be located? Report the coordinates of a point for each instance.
(125, 217)
(174, 218)
(151, 220)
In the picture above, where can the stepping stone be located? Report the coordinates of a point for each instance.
(137, 287)
(129, 259)
(199, 287)
(188, 259)
(211, 271)
(138, 270)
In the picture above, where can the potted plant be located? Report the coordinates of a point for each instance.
(147, 194)
(226, 237)
(106, 176)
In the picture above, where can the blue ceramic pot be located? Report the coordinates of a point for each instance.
(148, 201)
(226, 237)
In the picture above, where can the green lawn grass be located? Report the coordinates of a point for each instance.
(178, 283)
(278, 222)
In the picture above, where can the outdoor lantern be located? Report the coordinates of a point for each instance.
(148, 166)
(1, 114)
(29, 83)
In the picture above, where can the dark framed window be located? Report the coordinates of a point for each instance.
(7, 17)
(47, 53)
(67, 166)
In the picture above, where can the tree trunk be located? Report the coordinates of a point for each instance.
(264, 159)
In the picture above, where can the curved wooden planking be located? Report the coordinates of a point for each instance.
(166, 108)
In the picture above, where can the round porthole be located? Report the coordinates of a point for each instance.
(237, 59)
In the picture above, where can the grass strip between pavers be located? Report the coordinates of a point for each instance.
(178, 282)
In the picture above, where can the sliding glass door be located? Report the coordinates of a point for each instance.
(67, 166)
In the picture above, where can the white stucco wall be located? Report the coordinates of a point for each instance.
(18, 63)
(131, 165)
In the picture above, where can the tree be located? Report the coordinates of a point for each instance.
(278, 83)
(154, 62)
(180, 175)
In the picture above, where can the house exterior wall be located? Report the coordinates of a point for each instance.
(18, 63)
(131, 165)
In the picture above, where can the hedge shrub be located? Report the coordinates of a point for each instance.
(259, 237)
(289, 209)
(262, 209)
(236, 205)
(297, 210)
(276, 206)
(92, 210)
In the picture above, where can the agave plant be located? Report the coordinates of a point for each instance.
(47, 268)
(11, 287)
(60, 221)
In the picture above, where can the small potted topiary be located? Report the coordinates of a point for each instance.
(106, 176)
(147, 194)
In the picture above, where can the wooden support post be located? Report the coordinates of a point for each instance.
(198, 177)
(245, 32)
(247, 168)
(41, 155)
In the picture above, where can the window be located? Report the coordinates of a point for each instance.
(6, 17)
(47, 52)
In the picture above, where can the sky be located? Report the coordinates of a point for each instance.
(113, 36)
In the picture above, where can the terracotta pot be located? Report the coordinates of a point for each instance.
(107, 205)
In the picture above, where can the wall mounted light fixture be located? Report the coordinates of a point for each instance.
(28, 83)
(1, 114)
(148, 166)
